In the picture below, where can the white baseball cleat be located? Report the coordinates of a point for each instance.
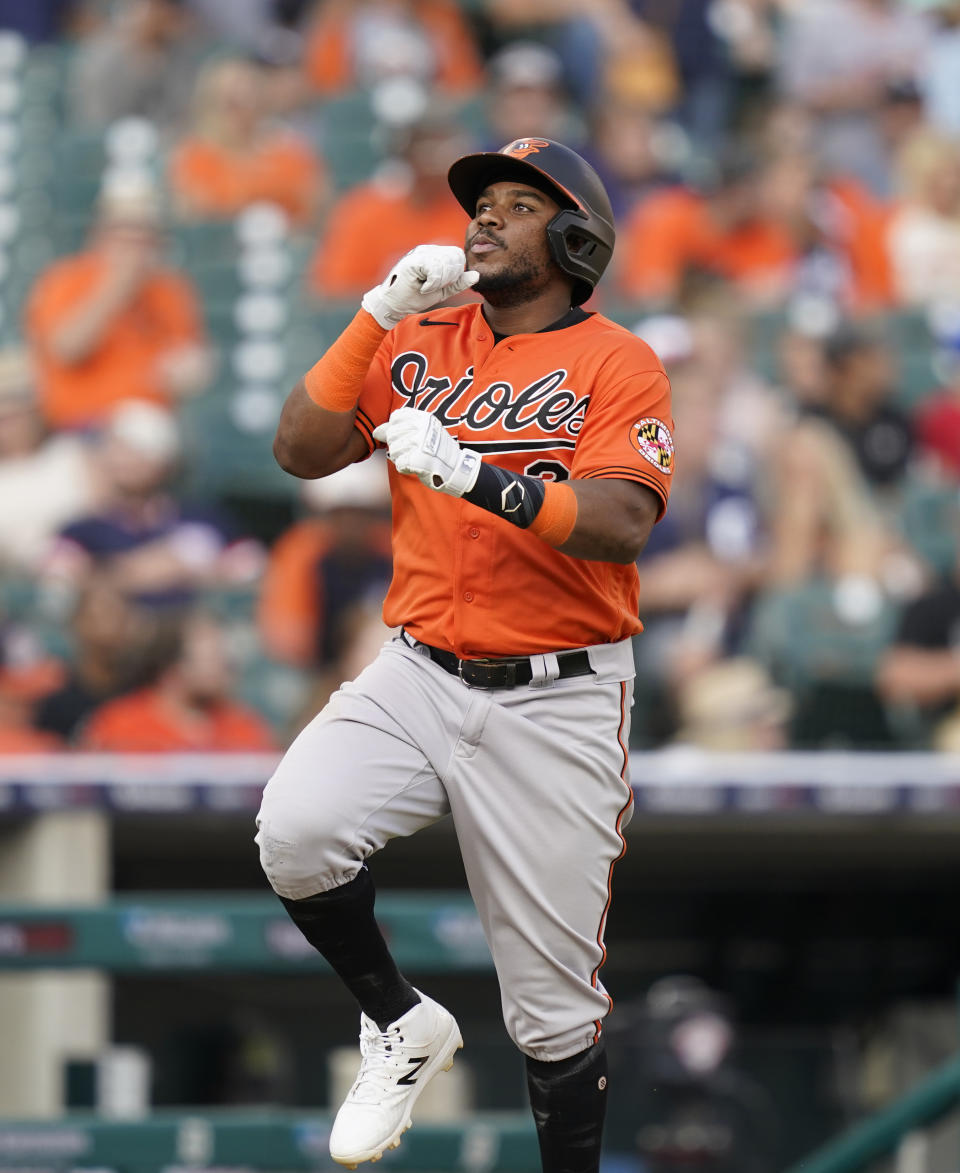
(395, 1066)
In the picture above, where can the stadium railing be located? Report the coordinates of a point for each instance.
(901, 1123)
(678, 780)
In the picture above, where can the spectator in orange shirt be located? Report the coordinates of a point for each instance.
(188, 708)
(772, 228)
(328, 566)
(26, 675)
(237, 156)
(360, 43)
(720, 229)
(375, 223)
(113, 322)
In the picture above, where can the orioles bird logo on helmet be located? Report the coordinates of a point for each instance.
(521, 147)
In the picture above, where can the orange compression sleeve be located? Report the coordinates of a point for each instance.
(557, 515)
(335, 381)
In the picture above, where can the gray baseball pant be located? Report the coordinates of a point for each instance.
(536, 780)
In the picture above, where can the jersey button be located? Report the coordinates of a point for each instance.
(468, 596)
(474, 532)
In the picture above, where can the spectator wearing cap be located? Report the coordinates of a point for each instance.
(153, 547)
(861, 379)
(362, 43)
(329, 566)
(114, 321)
(142, 63)
(835, 472)
(46, 480)
(113, 644)
(632, 151)
(188, 707)
(526, 95)
(407, 202)
(900, 118)
(235, 155)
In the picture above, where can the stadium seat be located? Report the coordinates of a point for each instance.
(348, 139)
(823, 643)
(928, 517)
(203, 242)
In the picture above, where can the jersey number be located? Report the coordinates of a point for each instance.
(548, 470)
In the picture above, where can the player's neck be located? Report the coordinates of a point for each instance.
(530, 316)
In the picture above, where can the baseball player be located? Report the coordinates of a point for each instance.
(531, 454)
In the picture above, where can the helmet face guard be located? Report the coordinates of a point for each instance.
(581, 236)
(579, 251)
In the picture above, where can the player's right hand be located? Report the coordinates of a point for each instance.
(426, 276)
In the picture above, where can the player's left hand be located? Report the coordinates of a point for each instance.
(417, 444)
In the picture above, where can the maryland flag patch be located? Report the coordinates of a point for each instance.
(651, 438)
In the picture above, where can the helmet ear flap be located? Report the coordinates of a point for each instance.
(579, 251)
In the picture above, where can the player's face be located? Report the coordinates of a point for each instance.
(507, 242)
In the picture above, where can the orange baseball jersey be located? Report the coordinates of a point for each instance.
(587, 399)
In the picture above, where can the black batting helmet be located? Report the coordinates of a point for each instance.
(581, 236)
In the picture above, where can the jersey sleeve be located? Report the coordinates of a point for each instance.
(627, 434)
(376, 398)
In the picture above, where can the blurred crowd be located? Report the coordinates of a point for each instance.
(786, 180)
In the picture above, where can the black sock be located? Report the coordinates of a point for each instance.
(341, 926)
(569, 1099)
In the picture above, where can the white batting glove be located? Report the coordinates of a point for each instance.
(427, 275)
(417, 444)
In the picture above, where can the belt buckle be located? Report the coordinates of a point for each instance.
(507, 667)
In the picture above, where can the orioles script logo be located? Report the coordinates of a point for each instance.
(521, 147)
(545, 404)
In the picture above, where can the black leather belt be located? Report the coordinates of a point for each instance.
(503, 672)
